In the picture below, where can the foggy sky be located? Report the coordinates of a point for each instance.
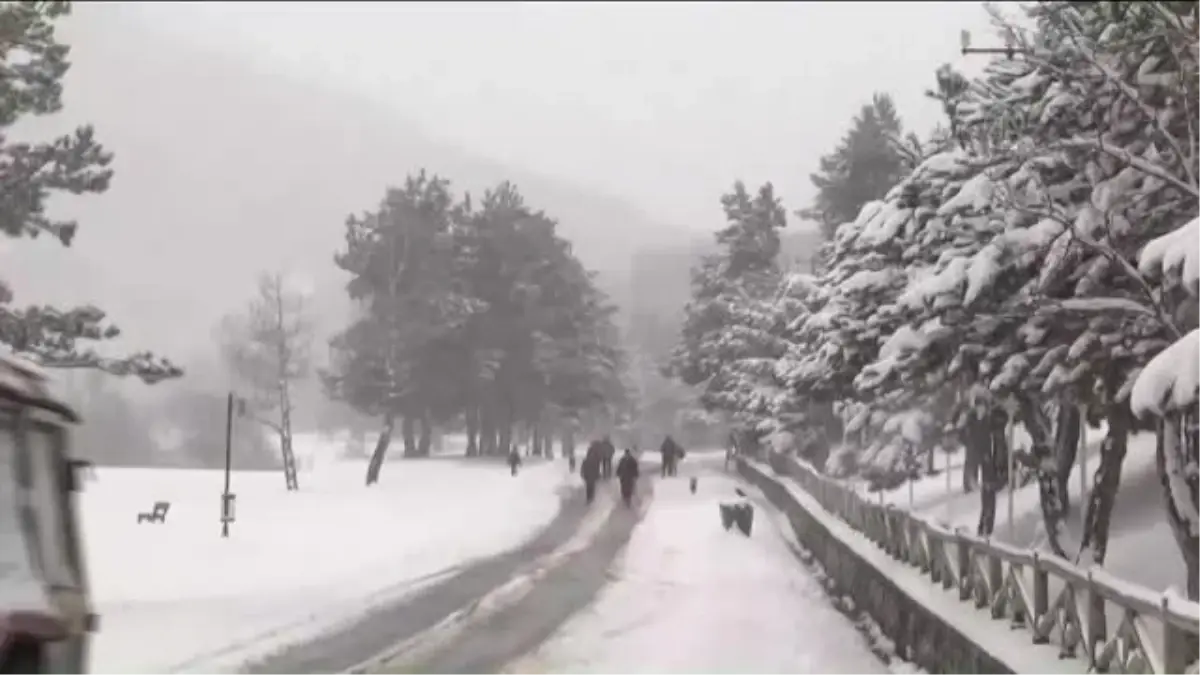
(222, 170)
(663, 104)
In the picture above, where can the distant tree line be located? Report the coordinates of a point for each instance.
(472, 315)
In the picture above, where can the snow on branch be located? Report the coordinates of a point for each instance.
(1171, 381)
(147, 367)
(1103, 305)
(1175, 253)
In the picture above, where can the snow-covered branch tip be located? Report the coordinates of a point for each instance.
(1171, 381)
(1103, 305)
(1175, 253)
(145, 366)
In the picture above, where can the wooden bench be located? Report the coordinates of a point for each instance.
(156, 515)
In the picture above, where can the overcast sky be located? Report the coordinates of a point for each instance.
(664, 104)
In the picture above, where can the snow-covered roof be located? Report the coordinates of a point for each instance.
(26, 383)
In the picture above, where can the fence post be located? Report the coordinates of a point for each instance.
(1041, 600)
(923, 546)
(995, 568)
(1178, 648)
(964, 566)
(934, 546)
(1095, 628)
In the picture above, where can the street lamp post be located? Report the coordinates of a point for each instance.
(227, 497)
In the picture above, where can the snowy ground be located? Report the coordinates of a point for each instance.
(1141, 549)
(688, 596)
(179, 597)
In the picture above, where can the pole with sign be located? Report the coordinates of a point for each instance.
(227, 498)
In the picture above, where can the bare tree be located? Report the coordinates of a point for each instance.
(267, 346)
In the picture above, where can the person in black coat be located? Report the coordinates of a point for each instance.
(671, 454)
(514, 460)
(606, 459)
(627, 475)
(589, 469)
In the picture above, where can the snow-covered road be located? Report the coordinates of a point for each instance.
(688, 596)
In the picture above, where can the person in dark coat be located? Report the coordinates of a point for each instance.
(627, 475)
(606, 459)
(670, 453)
(514, 460)
(589, 469)
(732, 451)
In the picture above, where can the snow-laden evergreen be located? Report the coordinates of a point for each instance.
(1038, 266)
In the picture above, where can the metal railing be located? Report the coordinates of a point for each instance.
(1056, 601)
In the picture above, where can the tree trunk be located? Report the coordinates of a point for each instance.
(472, 421)
(408, 429)
(487, 431)
(1176, 451)
(1066, 449)
(536, 442)
(568, 443)
(381, 448)
(1042, 461)
(285, 437)
(425, 435)
(504, 430)
(972, 452)
(1100, 502)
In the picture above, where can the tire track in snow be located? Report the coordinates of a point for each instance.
(543, 601)
(377, 629)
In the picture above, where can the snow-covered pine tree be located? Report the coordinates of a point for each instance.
(721, 343)
(1159, 82)
(1071, 211)
(843, 327)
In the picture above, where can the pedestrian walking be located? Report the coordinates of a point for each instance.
(589, 469)
(671, 453)
(627, 475)
(514, 460)
(608, 452)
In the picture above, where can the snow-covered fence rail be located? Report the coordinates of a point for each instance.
(1054, 600)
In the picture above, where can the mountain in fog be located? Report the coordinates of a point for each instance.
(225, 168)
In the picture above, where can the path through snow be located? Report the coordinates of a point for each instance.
(688, 596)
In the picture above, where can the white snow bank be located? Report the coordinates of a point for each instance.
(689, 596)
(177, 594)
